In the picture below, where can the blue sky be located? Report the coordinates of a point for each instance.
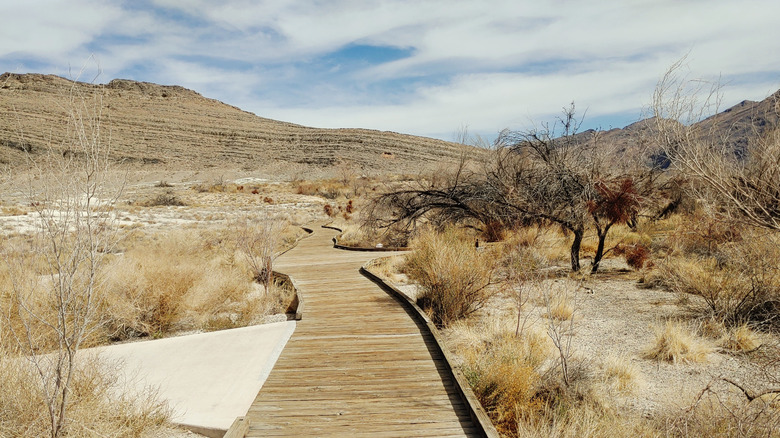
(419, 67)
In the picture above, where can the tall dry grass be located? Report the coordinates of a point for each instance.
(453, 275)
(160, 283)
(100, 405)
(505, 371)
(738, 280)
(676, 342)
(185, 280)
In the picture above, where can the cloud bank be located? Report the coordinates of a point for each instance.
(419, 67)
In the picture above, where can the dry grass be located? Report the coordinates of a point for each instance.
(185, 280)
(388, 268)
(675, 342)
(561, 308)
(13, 211)
(100, 406)
(622, 374)
(740, 339)
(713, 415)
(505, 371)
(328, 189)
(165, 199)
(739, 281)
(161, 283)
(512, 378)
(453, 276)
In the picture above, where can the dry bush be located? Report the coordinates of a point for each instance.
(388, 268)
(494, 231)
(675, 342)
(512, 377)
(258, 238)
(328, 209)
(718, 414)
(703, 233)
(505, 371)
(365, 236)
(454, 277)
(100, 405)
(636, 255)
(14, 211)
(739, 284)
(166, 199)
(329, 189)
(585, 418)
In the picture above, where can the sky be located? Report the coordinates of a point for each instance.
(431, 68)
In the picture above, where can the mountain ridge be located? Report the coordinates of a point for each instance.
(175, 127)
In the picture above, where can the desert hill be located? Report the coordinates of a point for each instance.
(171, 127)
(734, 128)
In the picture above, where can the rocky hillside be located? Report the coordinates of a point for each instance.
(170, 127)
(735, 128)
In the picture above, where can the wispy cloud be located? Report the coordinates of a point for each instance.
(422, 67)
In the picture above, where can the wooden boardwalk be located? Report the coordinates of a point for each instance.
(357, 365)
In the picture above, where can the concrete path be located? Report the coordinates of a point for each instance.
(210, 378)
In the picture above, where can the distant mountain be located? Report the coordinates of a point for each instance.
(156, 126)
(734, 128)
(743, 123)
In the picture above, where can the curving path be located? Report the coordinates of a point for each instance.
(357, 364)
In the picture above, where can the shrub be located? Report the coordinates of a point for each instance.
(453, 276)
(165, 199)
(494, 231)
(505, 372)
(703, 234)
(329, 189)
(741, 283)
(636, 255)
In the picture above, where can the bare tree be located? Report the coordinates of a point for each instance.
(747, 181)
(257, 240)
(57, 283)
(552, 175)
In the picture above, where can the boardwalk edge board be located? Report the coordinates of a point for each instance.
(238, 429)
(477, 413)
(337, 245)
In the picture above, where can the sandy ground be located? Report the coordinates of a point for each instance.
(615, 317)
